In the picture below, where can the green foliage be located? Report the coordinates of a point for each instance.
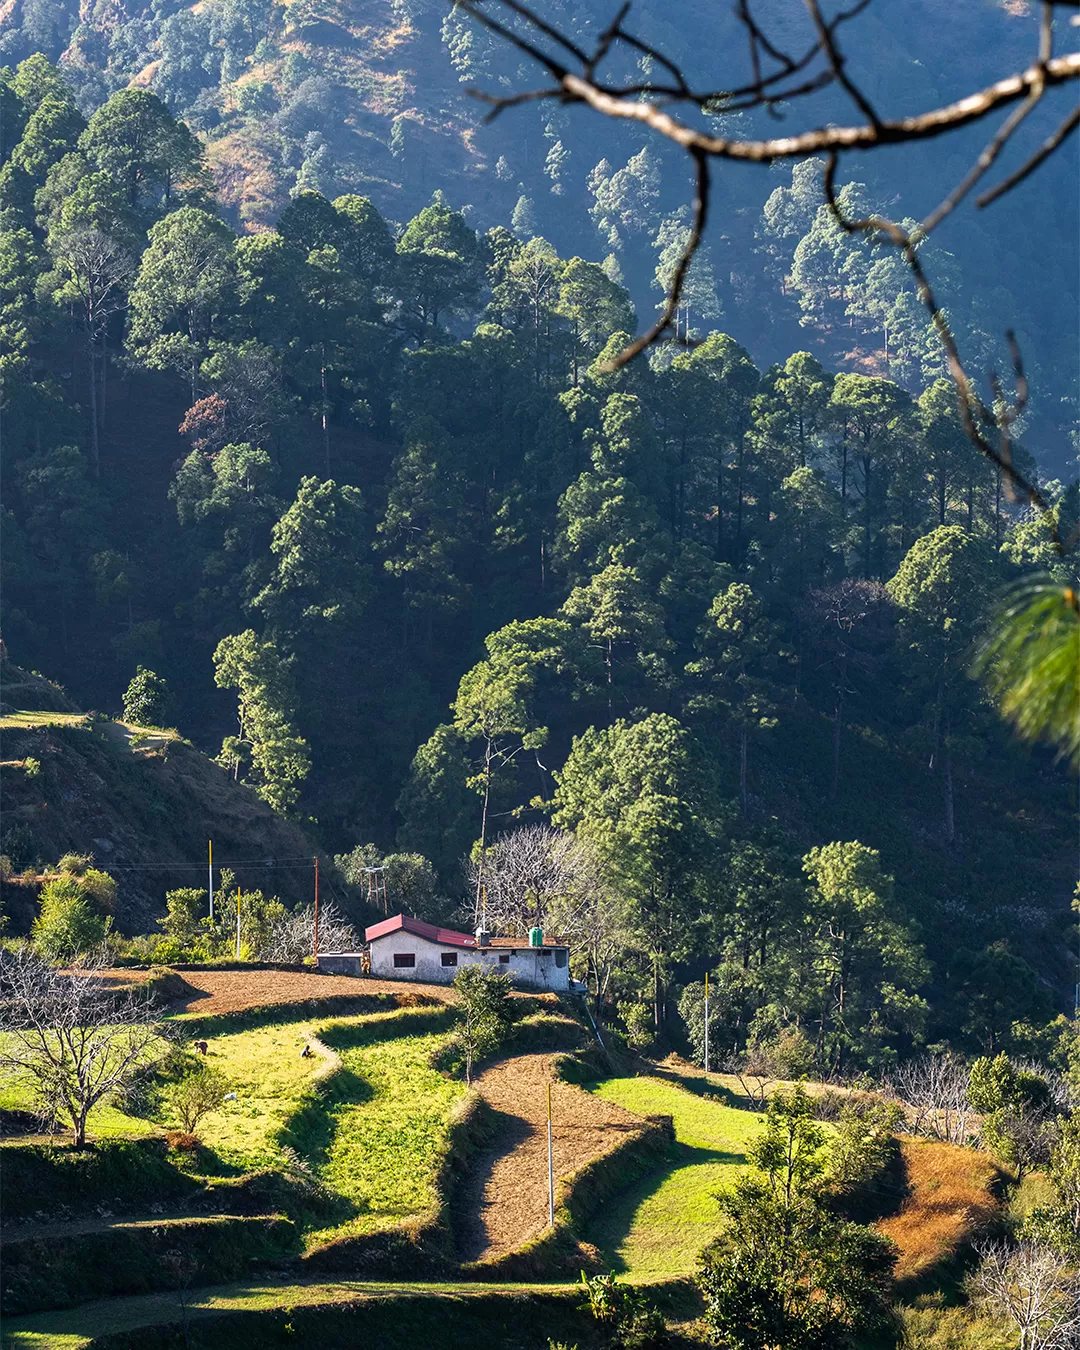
(626, 1313)
(74, 917)
(146, 699)
(68, 924)
(267, 740)
(1029, 659)
(785, 1270)
(485, 1014)
(414, 481)
(184, 912)
(196, 1092)
(1015, 1107)
(640, 1027)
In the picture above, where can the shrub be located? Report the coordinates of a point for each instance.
(483, 1000)
(638, 1020)
(32, 766)
(94, 884)
(68, 924)
(19, 845)
(198, 1092)
(184, 909)
(630, 1320)
(146, 699)
(180, 1141)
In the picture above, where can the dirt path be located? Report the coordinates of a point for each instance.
(503, 1201)
(226, 991)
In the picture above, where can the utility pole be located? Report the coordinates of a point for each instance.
(210, 857)
(238, 923)
(551, 1166)
(706, 1021)
(316, 910)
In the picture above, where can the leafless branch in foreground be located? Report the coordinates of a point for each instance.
(778, 76)
(76, 1041)
(975, 415)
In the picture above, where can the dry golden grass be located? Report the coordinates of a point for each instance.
(951, 1198)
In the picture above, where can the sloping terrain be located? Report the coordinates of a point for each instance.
(143, 803)
(504, 1200)
(951, 1199)
(212, 993)
(659, 1227)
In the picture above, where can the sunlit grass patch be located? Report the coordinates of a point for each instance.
(106, 1121)
(662, 1224)
(22, 720)
(950, 1197)
(265, 1068)
(387, 1138)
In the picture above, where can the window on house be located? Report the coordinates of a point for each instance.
(449, 958)
(504, 958)
(404, 960)
(560, 957)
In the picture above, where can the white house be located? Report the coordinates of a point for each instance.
(403, 948)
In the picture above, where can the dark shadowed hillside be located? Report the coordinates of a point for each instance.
(143, 804)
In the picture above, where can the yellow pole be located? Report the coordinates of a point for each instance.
(238, 923)
(706, 1021)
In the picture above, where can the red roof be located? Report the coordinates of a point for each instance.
(448, 937)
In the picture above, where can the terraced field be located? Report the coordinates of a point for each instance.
(233, 1246)
(659, 1227)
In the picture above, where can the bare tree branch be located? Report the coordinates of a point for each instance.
(682, 268)
(649, 103)
(973, 411)
(1044, 152)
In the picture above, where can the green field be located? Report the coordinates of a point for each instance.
(449, 1304)
(366, 1113)
(659, 1227)
(265, 1069)
(20, 721)
(382, 1141)
(105, 1121)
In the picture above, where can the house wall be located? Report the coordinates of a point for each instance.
(533, 968)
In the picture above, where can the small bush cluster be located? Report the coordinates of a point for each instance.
(626, 1313)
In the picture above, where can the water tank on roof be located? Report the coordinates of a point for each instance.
(536, 937)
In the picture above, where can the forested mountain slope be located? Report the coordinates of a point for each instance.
(419, 568)
(371, 96)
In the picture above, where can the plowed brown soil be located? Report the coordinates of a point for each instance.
(226, 991)
(503, 1201)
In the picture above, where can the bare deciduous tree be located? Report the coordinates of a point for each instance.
(528, 874)
(74, 1040)
(934, 1090)
(292, 938)
(540, 877)
(1035, 1288)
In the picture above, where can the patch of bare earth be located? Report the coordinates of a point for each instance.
(228, 991)
(503, 1201)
